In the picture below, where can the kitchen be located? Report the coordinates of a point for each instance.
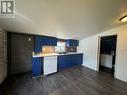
(46, 54)
(63, 47)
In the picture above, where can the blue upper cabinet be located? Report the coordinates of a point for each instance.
(49, 41)
(38, 44)
(43, 41)
(72, 42)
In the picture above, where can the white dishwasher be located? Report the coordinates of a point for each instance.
(50, 65)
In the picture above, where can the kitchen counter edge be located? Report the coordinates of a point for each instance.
(49, 55)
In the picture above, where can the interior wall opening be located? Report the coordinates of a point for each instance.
(107, 54)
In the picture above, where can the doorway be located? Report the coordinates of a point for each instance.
(107, 54)
(20, 48)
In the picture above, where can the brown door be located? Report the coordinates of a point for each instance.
(20, 47)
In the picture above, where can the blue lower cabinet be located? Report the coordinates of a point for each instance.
(80, 59)
(37, 66)
(67, 61)
(77, 59)
(61, 62)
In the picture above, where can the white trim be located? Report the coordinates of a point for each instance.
(116, 63)
(98, 52)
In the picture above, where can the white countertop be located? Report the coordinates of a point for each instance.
(51, 54)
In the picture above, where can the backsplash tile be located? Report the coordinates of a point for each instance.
(71, 49)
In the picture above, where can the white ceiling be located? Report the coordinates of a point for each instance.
(65, 18)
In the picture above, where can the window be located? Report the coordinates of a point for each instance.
(60, 47)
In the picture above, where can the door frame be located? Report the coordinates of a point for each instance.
(98, 52)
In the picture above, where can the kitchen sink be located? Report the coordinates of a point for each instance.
(62, 53)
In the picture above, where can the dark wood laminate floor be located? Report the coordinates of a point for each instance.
(74, 81)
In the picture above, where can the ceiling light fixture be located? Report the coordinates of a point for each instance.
(123, 19)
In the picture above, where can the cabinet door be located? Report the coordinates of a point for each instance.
(52, 41)
(72, 42)
(79, 59)
(76, 59)
(36, 67)
(64, 61)
(38, 44)
(49, 41)
(71, 60)
(67, 43)
(76, 42)
(61, 62)
(67, 61)
(43, 40)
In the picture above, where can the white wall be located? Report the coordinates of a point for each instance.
(121, 62)
(106, 60)
(89, 47)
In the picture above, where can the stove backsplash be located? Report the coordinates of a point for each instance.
(71, 49)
